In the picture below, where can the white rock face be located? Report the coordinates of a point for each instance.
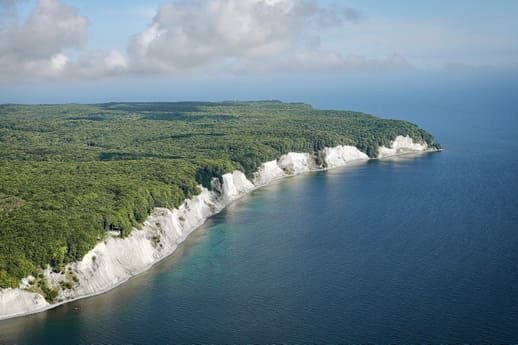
(342, 155)
(296, 163)
(292, 163)
(235, 185)
(268, 172)
(115, 260)
(16, 302)
(401, 145)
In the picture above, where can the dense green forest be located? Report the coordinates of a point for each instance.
(69, 173)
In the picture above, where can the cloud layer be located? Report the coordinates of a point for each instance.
(234, 33)
(198, 36)
(35, 47)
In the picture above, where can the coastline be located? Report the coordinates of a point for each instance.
(114, 261)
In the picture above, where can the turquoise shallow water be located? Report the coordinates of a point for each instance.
(420, 249)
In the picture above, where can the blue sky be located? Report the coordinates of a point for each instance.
(84, 49)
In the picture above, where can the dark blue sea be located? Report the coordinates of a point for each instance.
(411, 250)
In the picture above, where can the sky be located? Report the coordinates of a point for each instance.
(59, 51)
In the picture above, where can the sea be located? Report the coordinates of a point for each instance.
(415, 249)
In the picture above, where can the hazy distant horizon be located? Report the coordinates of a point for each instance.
(320, 91)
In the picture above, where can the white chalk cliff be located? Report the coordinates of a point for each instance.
(17, 302)
(401, 145)
(342, 155)
(115, 260)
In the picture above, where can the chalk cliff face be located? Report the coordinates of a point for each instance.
(234, 186)
(115, 260)
(295, 163)
(401, 145)
(342, 155)
(268, 172)
(17, 302)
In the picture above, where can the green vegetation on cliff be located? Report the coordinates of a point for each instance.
(69, 173)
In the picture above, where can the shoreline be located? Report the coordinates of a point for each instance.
(226, 196)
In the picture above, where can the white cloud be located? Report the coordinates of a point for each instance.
(58, 62)
(259, 34)
(98, 65)
(197, 36)
(36, 46)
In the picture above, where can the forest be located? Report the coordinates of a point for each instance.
(71, 173)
